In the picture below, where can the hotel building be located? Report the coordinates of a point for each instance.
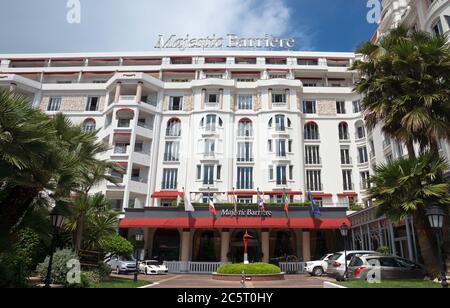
(370, 231)
(219, 125)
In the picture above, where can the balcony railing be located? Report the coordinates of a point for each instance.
(312, 161)
(244, 185)
(121, 150)
(171, 158)
(315, 188)
(169, 185)
(245, 159)
(173, 133)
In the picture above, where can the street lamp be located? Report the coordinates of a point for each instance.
(57, 221)
(139, 237)
(344, 232)
(436, 216)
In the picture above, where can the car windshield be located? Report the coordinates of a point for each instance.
(127, 258)
(335, 256)
(153, 263)
(324, 257)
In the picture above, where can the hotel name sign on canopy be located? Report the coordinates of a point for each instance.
(230, 41)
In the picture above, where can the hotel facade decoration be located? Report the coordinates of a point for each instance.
(222, 125)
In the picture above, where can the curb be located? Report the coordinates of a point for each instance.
(330, 285)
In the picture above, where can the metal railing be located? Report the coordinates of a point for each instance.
(176, 267)
(292, 267)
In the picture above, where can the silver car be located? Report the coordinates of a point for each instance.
(373, 267)
(336, 263)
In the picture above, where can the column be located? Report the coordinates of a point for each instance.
(118, 90)
(221, 99)
(288, 99)
(139, 92)
(203, 98)
(270, 98)
(185, 249)
(392, 236)
(224, 245)
(306, 246)
(12, 87)
(265, 245)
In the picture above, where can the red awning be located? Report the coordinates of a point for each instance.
(321, 195)
(279, 193)
(243, 193)
(166, 195)
(244, 222)
(349, 194)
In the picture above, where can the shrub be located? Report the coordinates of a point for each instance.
(59, 267)
(249, 269)
(383, 250)
(104, 271)
(117, 245)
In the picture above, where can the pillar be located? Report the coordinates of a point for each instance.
(221, 99)
(306, 246)
(118, 90)
(224, 245)
(270, 98)
(12, 87)
(203, 98)
(265, 245)
(288, 99)
(185, 250)
(139, 92)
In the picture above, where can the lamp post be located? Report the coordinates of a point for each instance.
(436, 216)
(344, 232)
(139, 237)
(57, 222)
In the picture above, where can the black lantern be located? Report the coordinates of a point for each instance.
(57, 219)
(344, 229)
(436, 215)
(344, 232)
(139, 237)
(57, 222)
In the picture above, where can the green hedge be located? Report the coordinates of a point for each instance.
(249, 269)
(241, 205)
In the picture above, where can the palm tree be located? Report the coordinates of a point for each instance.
(405, 80)
(398, 196)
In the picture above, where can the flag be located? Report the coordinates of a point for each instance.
(285, 203)
(187, 203)
(261, 202)
(315, 209)
(178, 200)
(235, 203)
(212, 208)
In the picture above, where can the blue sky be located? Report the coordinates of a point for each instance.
(134, 25)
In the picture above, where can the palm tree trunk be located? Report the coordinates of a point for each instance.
(15, 205)
(411, 149)
(79, 233)
(427, 243)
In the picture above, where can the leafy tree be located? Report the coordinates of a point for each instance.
(117, 245)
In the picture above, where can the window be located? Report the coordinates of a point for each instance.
(199, 172)
(437, 28)
(362, 155)
(360, 130)
(121, 148)
(92, 103)
(291, 172)
(279, 98)
(447, 18)
(170, 179)
(311, 131)
(181, 60)
(345, 156)
(281, 175)
(343, 131)
(208, 175)
(276, 61)
(123, 123)
(308, 62)
(172, 151)
(312, 155)
(347, 180)
(136, 175)
(89, 126)
(357, 106)
(245, 102)
(210, 147)
(54, 104)
(277, 76)
(139, 147)
(244, 178)
(290, 146)
(245, 152)
(211, 121)
(246, 79)
(269, 146)
(219, 172)
(340, 107)
(212, 98)
(173, 128)
(365, 179)
(280, 123)
(400, 151)
(245, 128)
(309, 107)
(176, 103)
(271, 173)
(313, 180)
(280, 147)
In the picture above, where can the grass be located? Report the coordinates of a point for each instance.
(249, 269)
(119, 283)
(391, 284)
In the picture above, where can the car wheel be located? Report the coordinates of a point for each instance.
(146, 271)
(317, 271)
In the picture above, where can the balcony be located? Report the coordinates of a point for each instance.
(168, 186)
(434, 7)
(313, 162)
(168, 157)
(247, 159)
(315, 188)
(244, 186)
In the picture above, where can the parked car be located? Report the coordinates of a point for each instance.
(336, 265)
(122, 264)
(318, 267)
(389, 267)
(152, 267)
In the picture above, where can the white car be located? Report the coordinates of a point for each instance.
(152, 267)
(319, 267)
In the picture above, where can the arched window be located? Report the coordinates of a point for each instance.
(211, 122)
(311, 131)
(343, 131)
(245, 128)
(89, 126)
(280, 123)
(360, 130)
(173, 128)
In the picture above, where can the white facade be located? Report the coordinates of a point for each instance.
(238, 120)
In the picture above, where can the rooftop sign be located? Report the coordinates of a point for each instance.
(230, 41)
